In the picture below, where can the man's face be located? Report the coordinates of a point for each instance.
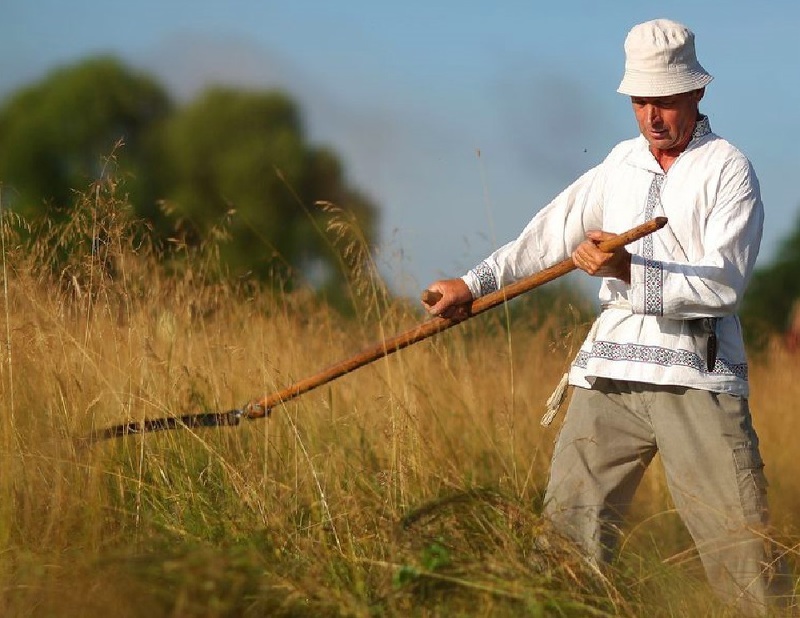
(667, 123)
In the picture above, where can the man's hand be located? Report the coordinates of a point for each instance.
(589, 258)
(455, 299)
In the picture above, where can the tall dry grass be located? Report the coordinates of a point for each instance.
(409, 488)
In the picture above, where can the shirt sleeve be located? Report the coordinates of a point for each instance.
(713, 285)
(549, 237)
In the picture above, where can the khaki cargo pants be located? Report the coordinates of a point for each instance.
(712, 465)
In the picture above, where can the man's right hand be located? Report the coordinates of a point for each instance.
(455, 299)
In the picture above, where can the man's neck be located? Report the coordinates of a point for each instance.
(666, 158)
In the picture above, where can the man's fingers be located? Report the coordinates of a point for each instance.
(599, 235)
(455, 312)
(588, 257)
(431, 297)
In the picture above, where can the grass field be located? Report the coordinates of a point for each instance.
(411, 487)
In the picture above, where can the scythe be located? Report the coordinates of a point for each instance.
(260, 408)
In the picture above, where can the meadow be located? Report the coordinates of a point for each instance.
(411, 487)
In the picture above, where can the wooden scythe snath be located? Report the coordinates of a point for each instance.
(260, 408)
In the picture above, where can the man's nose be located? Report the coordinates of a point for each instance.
(653, 114)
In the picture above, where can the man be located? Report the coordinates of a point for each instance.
(664, 368)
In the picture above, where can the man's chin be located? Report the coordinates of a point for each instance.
(661, 143)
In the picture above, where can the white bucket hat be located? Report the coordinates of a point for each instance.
(660, 60)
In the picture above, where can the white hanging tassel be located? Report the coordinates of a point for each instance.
(555, 400)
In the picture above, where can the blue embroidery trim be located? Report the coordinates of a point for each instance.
(664, 357)
(486, 277)
(653, 269)
(653, 287)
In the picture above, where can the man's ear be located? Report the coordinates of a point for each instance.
(698, 94)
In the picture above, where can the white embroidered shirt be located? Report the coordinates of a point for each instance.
(697, 266)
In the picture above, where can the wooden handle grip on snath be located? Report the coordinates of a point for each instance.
(261, 407)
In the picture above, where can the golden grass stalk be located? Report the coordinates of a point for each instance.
(409, 488)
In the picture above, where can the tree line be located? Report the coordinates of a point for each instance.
(232, 156)
(772, 302)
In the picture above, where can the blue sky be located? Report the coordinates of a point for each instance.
(460, 119)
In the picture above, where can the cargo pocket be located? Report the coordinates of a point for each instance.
(752, 483)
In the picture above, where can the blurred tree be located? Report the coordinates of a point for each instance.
(773, 291)
(242, 156)
(55, 135)
(232, 161)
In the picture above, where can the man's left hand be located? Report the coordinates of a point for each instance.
(589, 258)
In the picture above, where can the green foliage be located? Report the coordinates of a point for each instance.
(232, 168)
(244, 153)
(56, 134)
(432, 558)
(773, 291)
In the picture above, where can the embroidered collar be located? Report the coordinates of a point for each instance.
(642, 157)
(701, 128)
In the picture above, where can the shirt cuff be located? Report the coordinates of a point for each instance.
(481, 280)
(473, 283)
